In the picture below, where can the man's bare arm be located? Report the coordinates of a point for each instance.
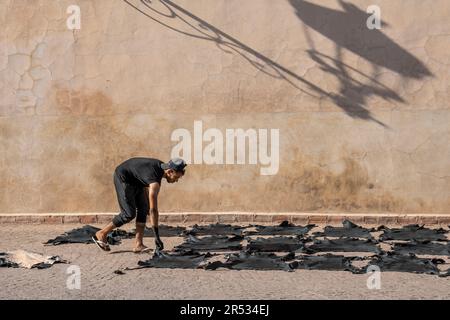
(154, 213)
(153, 197)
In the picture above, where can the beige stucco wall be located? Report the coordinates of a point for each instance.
(364, 115)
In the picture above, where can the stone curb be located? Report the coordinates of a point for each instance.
(236, 217)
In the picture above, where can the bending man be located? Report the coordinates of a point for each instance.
(137, 182)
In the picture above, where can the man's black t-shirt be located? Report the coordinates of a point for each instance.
(140, 171)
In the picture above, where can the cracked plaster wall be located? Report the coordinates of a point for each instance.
(357, 133)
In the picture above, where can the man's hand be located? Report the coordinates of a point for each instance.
(159, 244)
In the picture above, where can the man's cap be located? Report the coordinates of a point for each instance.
(176, 164)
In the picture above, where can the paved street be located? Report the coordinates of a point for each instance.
(98, 280)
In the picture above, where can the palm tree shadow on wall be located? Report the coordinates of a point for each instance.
(353, 94)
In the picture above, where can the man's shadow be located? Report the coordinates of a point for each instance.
(347, 29)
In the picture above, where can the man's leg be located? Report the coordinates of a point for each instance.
(127, 208)
(139, 244)
(143, 206)
(103, 234)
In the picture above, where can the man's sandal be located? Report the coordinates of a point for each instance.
(102, 245)
(142, 250)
